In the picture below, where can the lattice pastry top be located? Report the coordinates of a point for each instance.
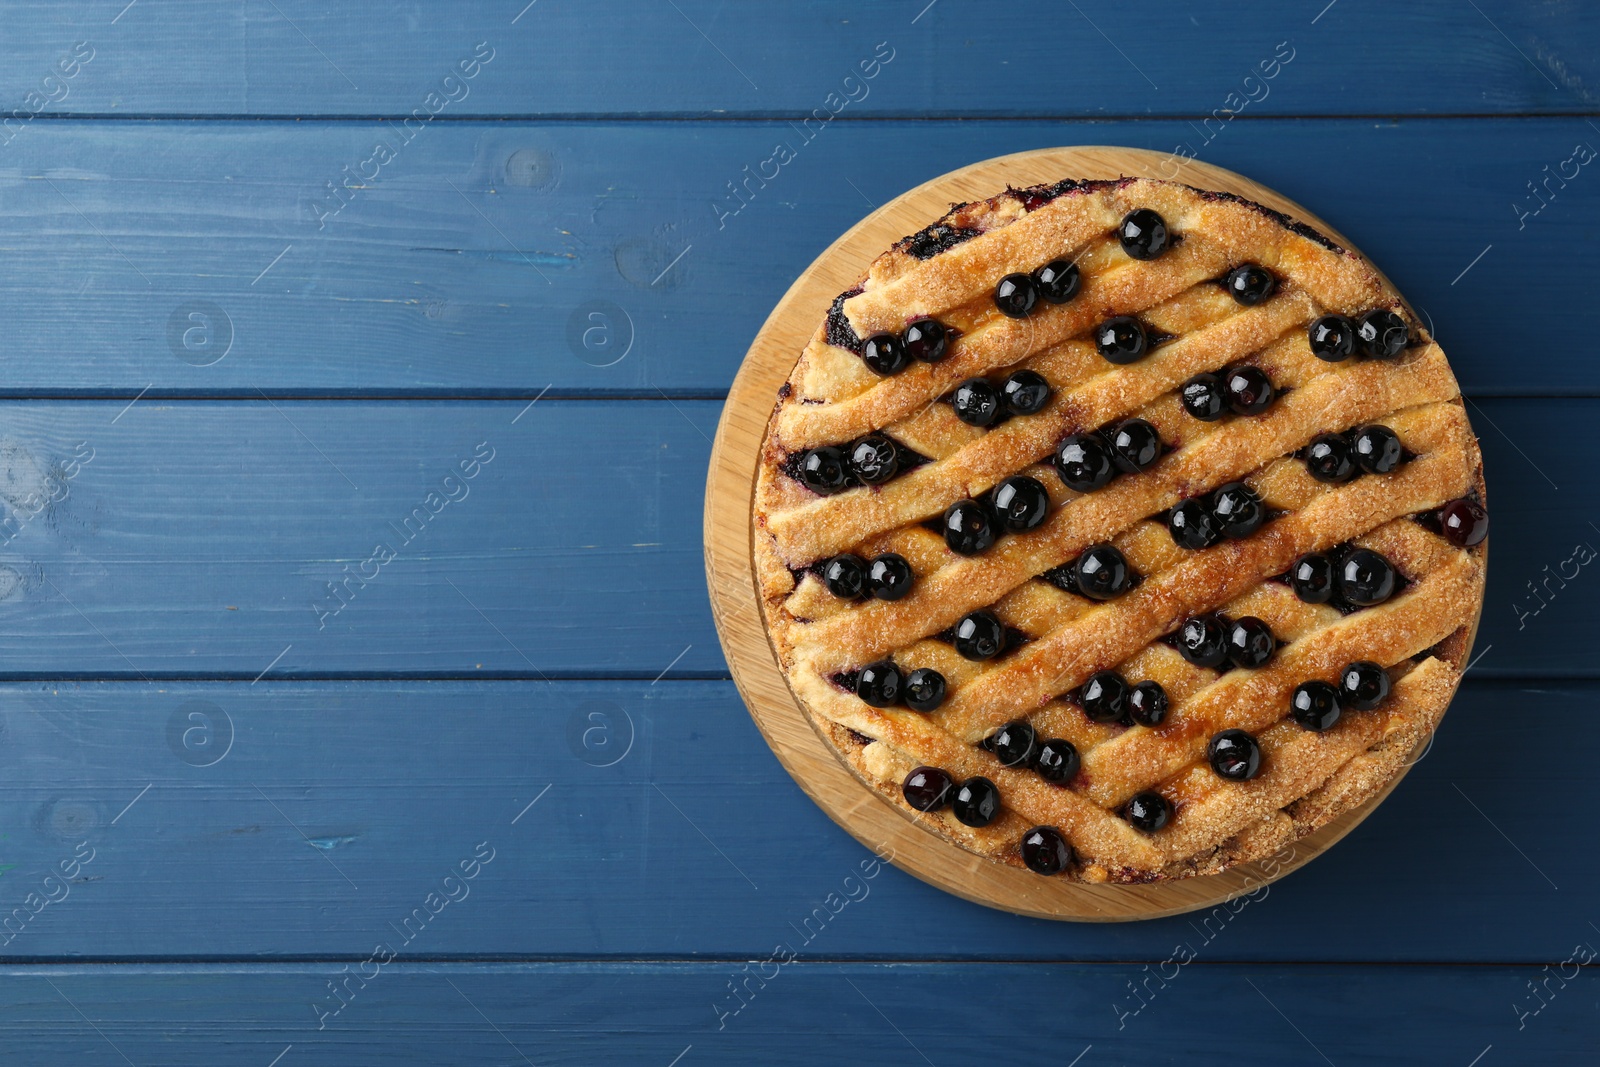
(1121, 530)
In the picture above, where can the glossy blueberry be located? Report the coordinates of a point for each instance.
(1250, 391)
(1315, 705)
(1045, 851)
(883, 353)
(1250, 284)
(1015, 744)
(926, 340)
(928, 788)
(1102, 572)
(1204, 397)
(1020, 503)
(823, 470)
(874, 459)
(1084, 462)
(976, 802)
(1363, 685)
(1121, 340)
(1025, 392)
(889, 576)
(1237, 509)
(924, 689)
(1382, 334)
(845, 576)
(979, 636)
(1135, 445)
(1148, 812)
(879, 684)
(1104, 696)
(1329, 459)
(976, 402)
(968, 527)
(1192, 525)
(1365, 578)
(1333, 338)
(1464, 522)
(1058, 760)
(1015, 295)
(1147, 703)
(1058, 281)
(1234, 755)
(1250, 643)
(1311, 578)
(1143, 234)
(1377, 449)
(1203, 641)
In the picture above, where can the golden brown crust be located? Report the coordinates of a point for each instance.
(1308, 779)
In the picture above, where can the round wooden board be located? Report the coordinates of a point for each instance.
(730, 568)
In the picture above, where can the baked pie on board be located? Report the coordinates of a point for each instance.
(1105, 548)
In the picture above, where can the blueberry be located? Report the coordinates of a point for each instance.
(1148, 812)
(979, 636)
(884, 354)
(1102, 572)
(1015, 295)
(1121, 340)
(1147, 703)
(968, 527)
(1250, 391)
(1084, 462)
(1045, 851)
(1203, 641)
(1365, 578)
(823, 471)
(1463, 522)
(1250, 284)
(1015, 744)
(1204, 397)
(1237, 509)
(874, 459)
(1311, 578)
(924, 690)
(977, 403)
(1382, 334)
(1315, 705)
(1135, 445)
(1234, 755)
(926, 339)
(1250, 643)
(1333, 338)
(1058, 281)
(1025, 392)
(976, 802)
(879, 684)
(1057, 760)
(1143, 234)
(1329, 459)
(1020, 503)
(1104, 696)
(1377, 449)
(1192, 525)
(889, 576)
(845, 576)
(928, 788)
(1363, 685)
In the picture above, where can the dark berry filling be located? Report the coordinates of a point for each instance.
(839, 332)
(940, 237)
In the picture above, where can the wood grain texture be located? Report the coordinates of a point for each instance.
(730, 565)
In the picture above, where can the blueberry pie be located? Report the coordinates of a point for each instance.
(1121, 531)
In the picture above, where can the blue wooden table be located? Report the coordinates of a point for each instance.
(360, 700)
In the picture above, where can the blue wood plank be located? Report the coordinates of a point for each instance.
(209, 258)
(805, 1013)
(301, 820)
(294, 57)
